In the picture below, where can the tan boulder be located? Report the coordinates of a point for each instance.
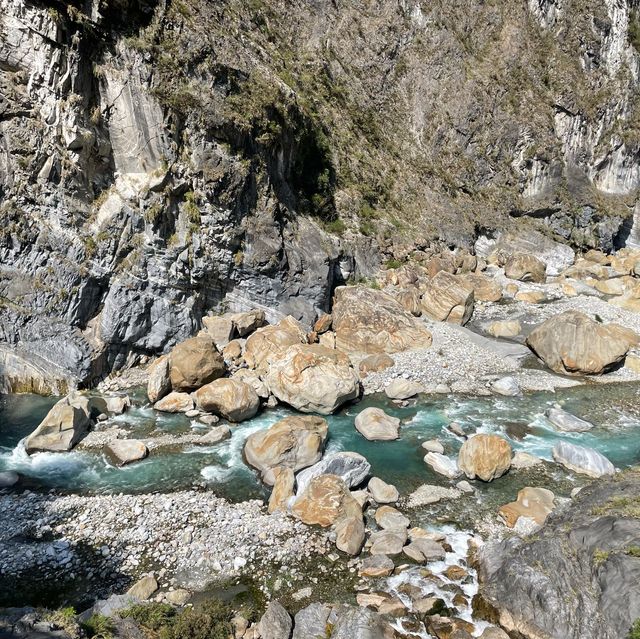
(401, 389)
(534, 503)
(573, 343)
(443, 262)
(313, 378)
(598, 257)
(194, 363)
(283, 489)
(294, 442)
(325, 501)
(158, 381)
(175, 403)
(448, 298)
(328, 339)
(484, 288)
(525, 267)
(247, 321)
(530, 297)
(63, 426)
(504, 328)
(410, 300)
(382, 492)
(232, 352)
(613, 286)
(220, 328)
(143, 588)
(126, 451)
(375, 425)
(323, 323)
(251, 377)
(230, 398)
(627, 303)
(350, 534)
(370, 321)
(486, 457)
(272, 341)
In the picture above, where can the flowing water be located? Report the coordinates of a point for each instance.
(614, 409)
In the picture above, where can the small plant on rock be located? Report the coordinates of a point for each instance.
(99, 627)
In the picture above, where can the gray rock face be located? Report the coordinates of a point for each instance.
(352, 468)
(565, 421)
(312, 621)
(581, 459)
(573, 580)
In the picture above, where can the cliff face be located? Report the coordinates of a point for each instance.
(162, 159)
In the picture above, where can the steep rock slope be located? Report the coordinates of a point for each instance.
(165, 158)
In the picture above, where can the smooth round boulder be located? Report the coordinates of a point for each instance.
(382, 492)
(484, 288)
(313, 379)
(567, 422)
(194, 363)
(126, 451)
(230, 398)
(294, 442)
(389, 518)
(485, 457)
(582, 459)
(572, 343)
(375, 425)
(442, 464)
(8, 478)
(402, 389)
(174, 402)
(374, 363)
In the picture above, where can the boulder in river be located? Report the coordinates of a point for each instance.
(573, 343)
(567, 422)
(63, 426)
(582, 459)
(352, 468)
(8, 478)
(401, 389)
(325, 501)
(424, 550)
(294, 442)
(525, 268)
(313, 378)
(382, 492)
(369, 321)
(448, 298)
(158, 381)
(374, 424)
(230, 398)
(194, 363)
(175, 402)
(344, 622)
(443, 465)
(126, 451)
(486, 457)
(506, 386)
(283, 489)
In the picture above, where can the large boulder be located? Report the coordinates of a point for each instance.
(442, 464)
(350, 534)
(402, 389)
(573, 343)
(126, 451)
(158, 381)
(272, 341)
(275, 622)
(283, 489)
(325, 501)
(484, 288)
(230, 398)
(525, 268)
(567, 422)
(194, 363)
(352, 468)
(294, 442)
(532, 503)
(175, 402)
(448, 298)
(340, 622)
(63, 426)
(582, 459)
(370, 321)
(485, 457)
(313, 378)
(374, 424)
(574, 579)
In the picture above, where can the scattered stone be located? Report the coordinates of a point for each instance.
(159, 382)
(389, 518)
(525, 267)
(456, 429)
(567, 422)
(214, 436)
(254, 380)
(376, 566)
(375, 363)
(323, 323)
(484, 288)
(375, 425)
(429, 494)
(530, 297)
(117, 405)
(583, 460)
(220, 328)
(433, 446)
(283, 489)
(402, 389)
(350, 534)
(504, 328)
(382, 492)
(507, 386)
(175, 402)
(485, 456)
(424, 550)
(388, 542)
(443, 465)
(465, 487)
(272, 342)
(178, 597)
(524, 460)
(143, 588)
(126, 451)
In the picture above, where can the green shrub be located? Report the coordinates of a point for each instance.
(211, 621)
(634, 633)
(65, 619)
(153, 616)
(98, 626)
(337, 226)
(392, 263)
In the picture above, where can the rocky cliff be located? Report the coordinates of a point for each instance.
(576, 579)
(163, 159)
